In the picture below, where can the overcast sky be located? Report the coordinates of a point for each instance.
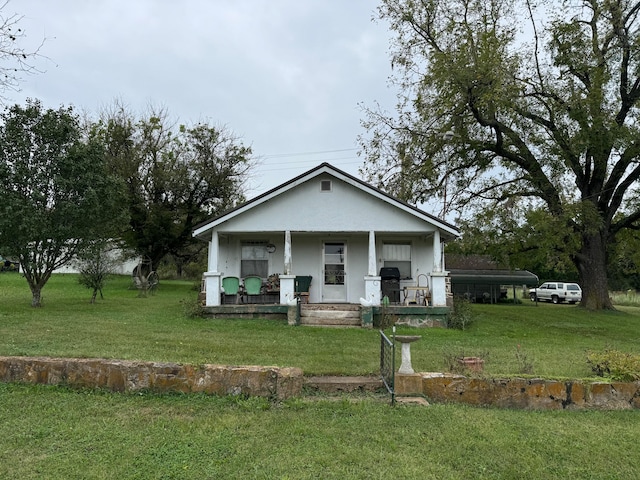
(286, 76)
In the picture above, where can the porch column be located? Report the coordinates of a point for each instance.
(214, 248)
(213, 278)
(437, 252)
(287, 280)
(287, 252)
(372, 254)
(372, 280)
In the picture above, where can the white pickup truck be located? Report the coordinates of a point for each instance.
(556, 292)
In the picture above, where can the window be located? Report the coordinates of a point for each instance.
(254, 259)
(398, 255)
(325, 185)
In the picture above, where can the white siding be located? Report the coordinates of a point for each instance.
(308, 209)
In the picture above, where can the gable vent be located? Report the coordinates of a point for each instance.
(325, 185)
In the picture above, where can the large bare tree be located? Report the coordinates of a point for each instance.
(506, 101)
(15, 59)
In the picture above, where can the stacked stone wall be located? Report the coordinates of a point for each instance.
(129, 376)
(521, 393)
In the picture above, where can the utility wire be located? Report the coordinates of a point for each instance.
(284, 155)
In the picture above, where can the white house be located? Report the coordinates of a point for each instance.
(333, 227)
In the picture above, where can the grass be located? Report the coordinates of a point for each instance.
(59, 433)
(53, 432)
(554, 338)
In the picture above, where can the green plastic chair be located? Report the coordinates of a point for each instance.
(252, 286)
(302, 285)
(231, 286)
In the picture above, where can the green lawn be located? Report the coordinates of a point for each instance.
(59, 433)
(55, 433)
(555, 338)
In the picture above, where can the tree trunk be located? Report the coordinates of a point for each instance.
(36, 296)
(592, 266)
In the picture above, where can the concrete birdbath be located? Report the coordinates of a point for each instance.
(406, 341)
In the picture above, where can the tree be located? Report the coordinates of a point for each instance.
(175, 179)
(96, 262)
(55, 192)
(14, 59)
(548, 120)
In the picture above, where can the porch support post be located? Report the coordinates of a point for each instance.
(214, 249)
(287, 280)
(437, 252)
(286, 288)
(439, 274)
(287, 252)
(439, 289)
(372, 280)
(213, 278)
(372, 271)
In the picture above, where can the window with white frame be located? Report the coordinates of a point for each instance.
(398, 255)
(254, 259)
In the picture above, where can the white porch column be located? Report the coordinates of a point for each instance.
(213, 278)
(439, 274)
(439, 289)
(287, 280)
(214, 249)
(287, 252)
(437, 252)
(372, 280)
(372, 271)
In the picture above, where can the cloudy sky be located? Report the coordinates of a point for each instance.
(286, 76)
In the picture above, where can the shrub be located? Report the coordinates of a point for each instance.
(192, 309)
(461, 315)
(620, 366)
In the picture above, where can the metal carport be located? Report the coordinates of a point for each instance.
(485, 285)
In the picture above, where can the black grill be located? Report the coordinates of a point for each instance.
(390, 281)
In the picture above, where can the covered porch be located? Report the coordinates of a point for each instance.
(281, 268)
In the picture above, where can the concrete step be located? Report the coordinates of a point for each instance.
(335, 384)
(330, 313)
(335, 315)
(343, 307)
(330, 321)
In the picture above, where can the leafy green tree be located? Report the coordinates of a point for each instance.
(55, 192)
(519, 239)
(543, 112)
(175, 179)
(96, 262)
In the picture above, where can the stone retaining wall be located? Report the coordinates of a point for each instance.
(128, 376)
(521, 393)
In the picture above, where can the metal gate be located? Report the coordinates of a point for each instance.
(387, 362)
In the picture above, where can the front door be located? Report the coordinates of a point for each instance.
(335, 260)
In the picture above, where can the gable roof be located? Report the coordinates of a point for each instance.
(446, 228)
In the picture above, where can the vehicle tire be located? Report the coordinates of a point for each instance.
(532, 296)
(555, 299)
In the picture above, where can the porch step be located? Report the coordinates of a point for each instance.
(330, 315)
(335, 384)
